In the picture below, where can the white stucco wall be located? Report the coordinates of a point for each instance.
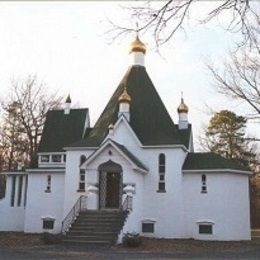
(12, 217)
(41, 204)
(226, 204)
(71, 182)
(165, 209)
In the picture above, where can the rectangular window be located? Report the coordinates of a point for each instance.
(161, 186)
(48, 224)
(48, 187)
(20, 191)
(56, 158)
(205, 229)
(82, 179)
(148, 227)
(13, 191)
(203, 189)
(45, 158)
(64, 158)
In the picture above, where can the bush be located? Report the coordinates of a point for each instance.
(50, 239)
(132, 239)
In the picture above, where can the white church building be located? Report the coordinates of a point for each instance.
(134, 171)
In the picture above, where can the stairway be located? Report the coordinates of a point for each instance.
(96, 227)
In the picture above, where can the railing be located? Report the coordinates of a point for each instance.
(128, 203)
(71, 216)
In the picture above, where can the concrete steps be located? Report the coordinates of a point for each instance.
(100, 227)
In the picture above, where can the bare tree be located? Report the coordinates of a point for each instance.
(164, 19)
(31, 105)
(240, 79)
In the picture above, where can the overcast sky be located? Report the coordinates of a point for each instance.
(65, 45)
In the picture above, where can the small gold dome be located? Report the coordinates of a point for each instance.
(183, 108)
(137, 46)
(124, 97)
(111, 126)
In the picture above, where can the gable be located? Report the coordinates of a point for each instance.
(60, 129)
(104, 152)
(149, 118)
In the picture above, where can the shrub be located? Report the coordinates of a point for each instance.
(50, 239)
(132, 239)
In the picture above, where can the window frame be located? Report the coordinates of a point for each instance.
(204, 188)
(161, 171)
(205, 228)
(50, 221)
(82, 180)
(48, 186)
(45, 156)
(57, 156)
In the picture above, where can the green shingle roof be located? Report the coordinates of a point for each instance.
(210, 161)
(149, 118)
(61, 130)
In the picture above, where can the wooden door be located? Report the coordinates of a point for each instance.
(112, 190)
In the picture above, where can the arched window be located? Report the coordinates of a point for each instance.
(161, 169)
(203, 183)
(82, 159)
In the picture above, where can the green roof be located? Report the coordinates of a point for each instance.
(149, 118)
(61, 130)
(210, 161)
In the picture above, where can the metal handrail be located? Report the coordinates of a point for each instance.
(73, 213)
(128, 203)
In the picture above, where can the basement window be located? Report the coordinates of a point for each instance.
(205, 229)
(148, 226)
(48, 223)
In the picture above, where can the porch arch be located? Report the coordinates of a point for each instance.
(110, 185)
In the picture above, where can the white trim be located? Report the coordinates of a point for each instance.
(14, 173)
(80, 148)
(122, 118)
(102, 147)
(51, 153)
(166, 146)
(148, 220)
(205, 222)
(45, 170)
(218, 171)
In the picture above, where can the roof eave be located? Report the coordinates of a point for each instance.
(227, 170)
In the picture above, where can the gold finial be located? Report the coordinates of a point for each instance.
(182, 108)
(111, 126)
(137, 45)
(124, 97)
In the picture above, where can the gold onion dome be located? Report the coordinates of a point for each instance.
(182, 108)
(124, 97)
(137, 46)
